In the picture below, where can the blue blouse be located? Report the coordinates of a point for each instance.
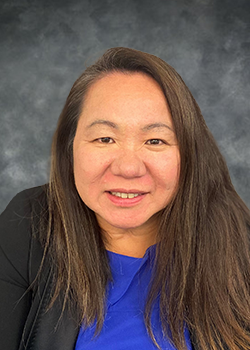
(124, 327)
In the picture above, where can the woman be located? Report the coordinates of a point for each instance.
(139, 240)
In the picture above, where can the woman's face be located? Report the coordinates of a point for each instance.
(126, 157)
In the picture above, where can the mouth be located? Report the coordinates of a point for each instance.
(125, 194)
(125, 198)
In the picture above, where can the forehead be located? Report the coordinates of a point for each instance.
(125, 97)
(118, 84)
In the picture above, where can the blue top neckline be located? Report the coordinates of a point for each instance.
(124, 268)
(124, 326)
(151, 249)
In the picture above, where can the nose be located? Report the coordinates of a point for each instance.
(128, 164)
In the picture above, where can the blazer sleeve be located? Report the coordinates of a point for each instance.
(15, 245)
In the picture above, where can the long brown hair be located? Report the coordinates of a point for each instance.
(202, 270)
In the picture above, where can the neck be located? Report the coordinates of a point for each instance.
(131, 242)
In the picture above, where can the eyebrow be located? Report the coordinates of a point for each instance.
(103, 122)
(147, 127)
(156, 126)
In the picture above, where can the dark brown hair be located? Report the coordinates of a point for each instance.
(202, 269)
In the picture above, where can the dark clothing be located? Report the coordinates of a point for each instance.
(23, 321)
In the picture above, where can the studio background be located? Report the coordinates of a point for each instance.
(45, 46)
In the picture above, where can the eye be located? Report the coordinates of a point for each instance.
(105, 140)
(155, 142)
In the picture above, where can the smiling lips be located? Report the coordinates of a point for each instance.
(125, 198)
(126, 195)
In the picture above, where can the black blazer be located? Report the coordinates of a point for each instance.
(25, 324)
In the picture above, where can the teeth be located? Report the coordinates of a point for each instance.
(125, 195)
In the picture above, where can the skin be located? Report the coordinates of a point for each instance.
(125, 142)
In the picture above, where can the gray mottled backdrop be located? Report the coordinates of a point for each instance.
(45, 45)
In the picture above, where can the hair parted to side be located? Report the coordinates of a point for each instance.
(202, 269)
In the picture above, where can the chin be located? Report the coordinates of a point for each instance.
(129, 224)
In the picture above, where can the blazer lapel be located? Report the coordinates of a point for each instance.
(48, 329)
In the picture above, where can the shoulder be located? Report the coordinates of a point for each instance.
(25, 206)
(22, 200)
(17, 225)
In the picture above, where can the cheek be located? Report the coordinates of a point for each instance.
(89, 166)
(83, 168)
(167, 170)
(167, 183)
